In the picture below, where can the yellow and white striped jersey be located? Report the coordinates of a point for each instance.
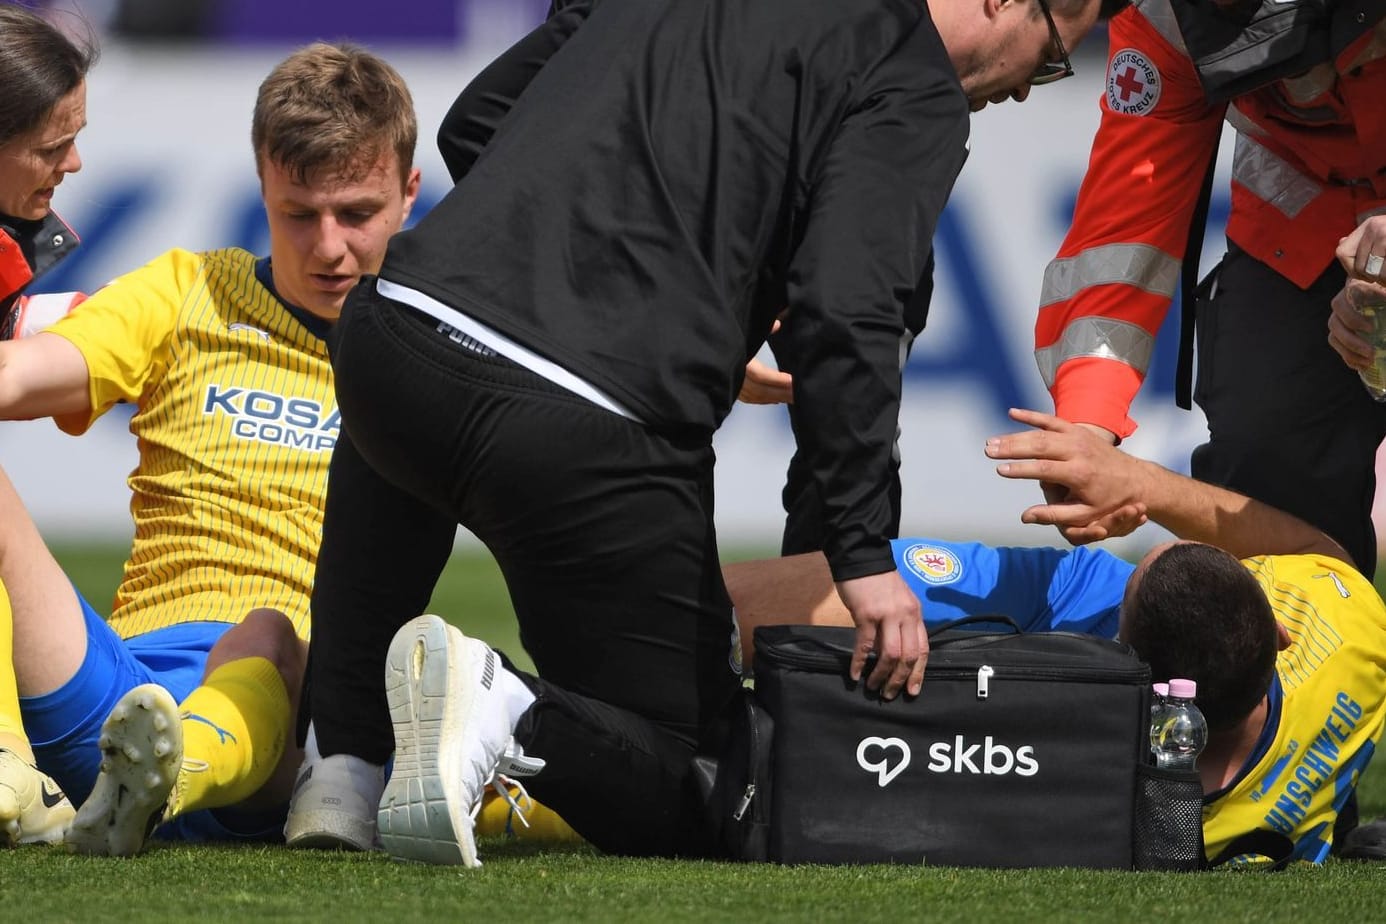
(1328, 707)
(235, 420)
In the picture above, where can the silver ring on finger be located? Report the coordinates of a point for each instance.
(1374, 264)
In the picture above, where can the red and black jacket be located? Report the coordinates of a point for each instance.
(28, 249)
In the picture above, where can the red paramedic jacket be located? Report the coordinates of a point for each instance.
(1308, 167)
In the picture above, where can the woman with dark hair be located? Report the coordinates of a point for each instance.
(43, 105)
(42, 108)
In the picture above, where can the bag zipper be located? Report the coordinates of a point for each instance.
(744, 803)
(827, 662)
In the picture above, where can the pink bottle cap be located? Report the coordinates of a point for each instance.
(1161, 689)
(1183, 689)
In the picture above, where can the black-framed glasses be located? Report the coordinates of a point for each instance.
(1051, 71)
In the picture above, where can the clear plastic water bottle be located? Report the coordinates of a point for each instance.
(1370, 302)
(1158, 699)
(1183, 731)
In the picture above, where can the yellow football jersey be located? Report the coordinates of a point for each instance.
(235, 419)
(1327, 708)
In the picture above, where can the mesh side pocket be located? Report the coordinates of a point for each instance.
(1169, 820)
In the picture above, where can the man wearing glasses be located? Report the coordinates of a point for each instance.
(641, 189)
(1050, 71)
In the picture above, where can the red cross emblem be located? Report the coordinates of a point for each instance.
(1128, 84)
(1133, 82)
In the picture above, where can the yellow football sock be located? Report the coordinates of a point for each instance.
(234, 727)
(497, 819)
(12, 737)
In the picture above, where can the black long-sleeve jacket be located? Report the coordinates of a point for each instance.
(663, 177)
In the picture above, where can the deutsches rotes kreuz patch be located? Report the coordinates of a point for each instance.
(933, 564)
(1133, 83)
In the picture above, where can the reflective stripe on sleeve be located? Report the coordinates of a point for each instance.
(1139, 265)
(1103, 338)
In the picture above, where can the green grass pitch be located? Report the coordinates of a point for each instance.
(520, 883)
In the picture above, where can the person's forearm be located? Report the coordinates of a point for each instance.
(41, 376)
(1093, 480)
(1207, 513)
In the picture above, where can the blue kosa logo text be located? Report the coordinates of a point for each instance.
(266, 417)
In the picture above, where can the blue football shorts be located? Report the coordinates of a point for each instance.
(64, 726)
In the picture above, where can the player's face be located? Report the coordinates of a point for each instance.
(326, 233)
(34, 163)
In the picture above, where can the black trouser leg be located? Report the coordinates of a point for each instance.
(604, 532)
(346, 662)
(1289, 423)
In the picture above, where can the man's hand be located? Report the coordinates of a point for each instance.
(1363, 252)
(1093, 490)
(889, 622)
(1120, 522)
(1107, 486)
(1103, 528)
(1348, 327)
(764, 385)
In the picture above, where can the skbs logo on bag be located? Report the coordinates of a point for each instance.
(874, 756)
(995, 759)
(888, 758)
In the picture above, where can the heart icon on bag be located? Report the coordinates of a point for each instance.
(881, 765)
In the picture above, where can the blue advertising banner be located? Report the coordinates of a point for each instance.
(448, 23)
(418, 21)
(168, 164)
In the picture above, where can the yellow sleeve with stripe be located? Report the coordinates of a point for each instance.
(235, 418)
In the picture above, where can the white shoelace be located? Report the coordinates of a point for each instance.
(502, 784)
(512, 763)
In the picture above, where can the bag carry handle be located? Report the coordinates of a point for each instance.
(975, 618)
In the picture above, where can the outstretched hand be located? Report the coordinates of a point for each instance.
(1092, 490)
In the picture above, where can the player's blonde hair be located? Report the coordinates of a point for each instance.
(334, 107)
